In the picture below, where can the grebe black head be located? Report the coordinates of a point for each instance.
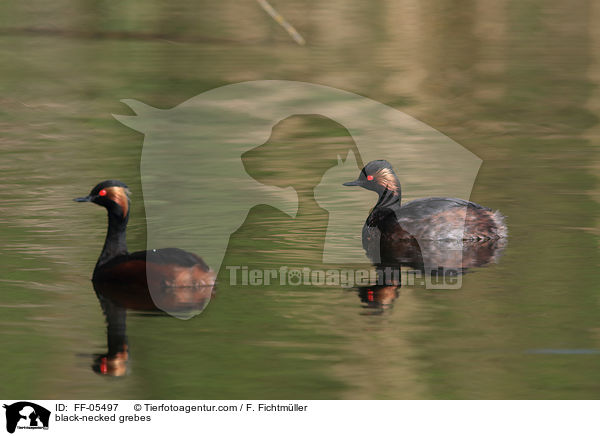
(111, 194)
(378, 176)
(114, 196)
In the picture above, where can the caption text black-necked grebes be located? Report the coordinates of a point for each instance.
(432, 219)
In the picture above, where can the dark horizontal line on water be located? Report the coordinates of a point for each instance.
(563, 351)
(124, 35)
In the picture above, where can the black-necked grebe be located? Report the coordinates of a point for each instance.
(425, 219)
(168, 267)
(180, 281)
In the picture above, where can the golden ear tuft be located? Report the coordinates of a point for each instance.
(120, 196)
(386, 178)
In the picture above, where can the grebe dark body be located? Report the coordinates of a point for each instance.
(182, 279)
(393, 230)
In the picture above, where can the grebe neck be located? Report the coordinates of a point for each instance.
(389, 199)
(116, 242)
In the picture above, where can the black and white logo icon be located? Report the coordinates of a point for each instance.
(26, 415)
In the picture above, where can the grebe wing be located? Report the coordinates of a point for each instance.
(423, 207)
(170, 256)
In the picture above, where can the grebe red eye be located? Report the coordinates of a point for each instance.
(102, 192)
(369, 178)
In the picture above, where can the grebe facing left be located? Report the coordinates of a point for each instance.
(392, 228)
(170, 279)
(163, 268)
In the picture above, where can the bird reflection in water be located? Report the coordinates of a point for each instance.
(116, 299)
(414, 264)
